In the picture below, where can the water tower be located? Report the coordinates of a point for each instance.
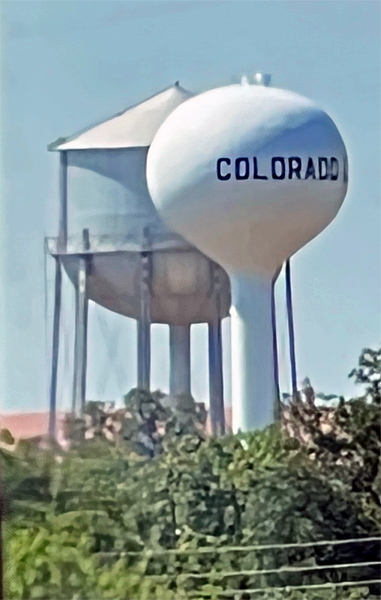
(249, 174)
(118, 252)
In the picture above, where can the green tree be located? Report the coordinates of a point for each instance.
(368, 373)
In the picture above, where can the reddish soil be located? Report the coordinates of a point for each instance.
(26, 425)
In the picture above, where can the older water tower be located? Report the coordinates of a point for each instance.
(118, 252)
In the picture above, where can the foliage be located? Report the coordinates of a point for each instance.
(26, 473)
(144, 505)
(257, 489)
(55, 560)
(368, 372)
(345, 439)
(142, 425)
(43, 562)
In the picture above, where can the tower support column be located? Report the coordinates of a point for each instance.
(80, 342)
(144, 327)
(291, 330)
(180, 359)
(55, 350)
(253, 382)
(216, 384)
(277, 401)
(216, 380)
(62, 231)
(81, 319)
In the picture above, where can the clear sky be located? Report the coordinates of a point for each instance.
(68, 64)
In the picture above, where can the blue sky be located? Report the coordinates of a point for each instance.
(65, 65)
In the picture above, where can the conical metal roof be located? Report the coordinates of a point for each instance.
(135, 127)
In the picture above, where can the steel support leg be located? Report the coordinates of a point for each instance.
(277, 414)
(180, 359)
(291, 331)
(216, 385)
(55, 350)
(144, 329)
(62, 233)
(80, 349)
(144, 354)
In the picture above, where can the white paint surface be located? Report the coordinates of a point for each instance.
(248, 226)
(253, 383)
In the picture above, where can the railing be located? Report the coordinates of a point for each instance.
(133, 242)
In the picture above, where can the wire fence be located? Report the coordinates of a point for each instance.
(216, 577)
(289, 588)
(281, 570)
(253, 548)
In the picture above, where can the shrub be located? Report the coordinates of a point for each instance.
(106, 518)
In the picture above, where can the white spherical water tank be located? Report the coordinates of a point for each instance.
(248, 174)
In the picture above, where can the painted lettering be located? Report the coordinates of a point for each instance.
(323, 168)
(238, 170)
(334, 168)
(274, 161)
(310, 171)
(219, 174)
(256, 174)
(294, 166)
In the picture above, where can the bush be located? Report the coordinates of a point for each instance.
(107, 518)
(256, 489)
